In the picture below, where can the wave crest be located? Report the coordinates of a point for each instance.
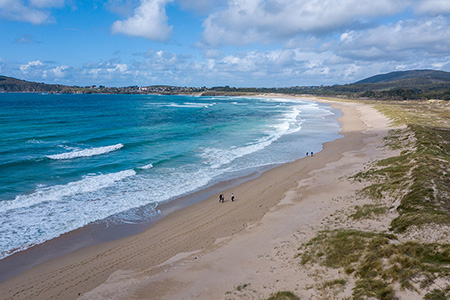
(146, 167)
(289, 124)
(86, 152)
(88, 184)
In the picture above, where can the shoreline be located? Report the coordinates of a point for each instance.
(101, 232)
(186, 234)
(106, 231)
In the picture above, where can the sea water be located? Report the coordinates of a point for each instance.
(70, 160)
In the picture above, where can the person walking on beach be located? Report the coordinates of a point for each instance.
(307, 153)
(221, 198)
(232, 197)
(312, 153)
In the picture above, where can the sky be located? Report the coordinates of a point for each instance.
(251, 43)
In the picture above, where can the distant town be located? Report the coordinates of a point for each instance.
(400, 85)
(171, 90)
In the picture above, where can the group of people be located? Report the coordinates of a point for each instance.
(310, 153)
(222, 198)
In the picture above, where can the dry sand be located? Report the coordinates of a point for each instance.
(235, 250)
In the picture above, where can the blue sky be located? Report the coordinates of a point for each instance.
(252, 43)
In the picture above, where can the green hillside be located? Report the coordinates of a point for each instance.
(404, 85)
(408, 77)
(9, 84)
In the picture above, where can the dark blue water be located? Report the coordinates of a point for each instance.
(69, 160)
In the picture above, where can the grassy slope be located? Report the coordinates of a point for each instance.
(423, 170)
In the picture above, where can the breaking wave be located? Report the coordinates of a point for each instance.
(86, 152)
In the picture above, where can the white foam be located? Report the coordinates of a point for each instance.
(218, 157)
(33, 141)
(146, 167)
(69, 148)
(86, 152)
(88, 184)
(53, 211)
(191, 105)
(290, 100)
(291, 125)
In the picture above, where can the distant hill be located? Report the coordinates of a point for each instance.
(401, 85)
(9, 84)
(405, 77)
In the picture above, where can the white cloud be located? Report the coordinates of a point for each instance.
(312, 42)
(212, 53)
(149, 21)
(433, 7)
(282, 67)
(107, 67)
(37, 71)
(31, 66)
(403, 40)
(32, 11)
(59, 71)
(16, 10)
(266, 21)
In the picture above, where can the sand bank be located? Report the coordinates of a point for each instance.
(207, 250)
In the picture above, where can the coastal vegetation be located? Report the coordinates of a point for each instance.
(416, 185)
(368, 211)
(378, 262)
(284, 296)
(419, 177)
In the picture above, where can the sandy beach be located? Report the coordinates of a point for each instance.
(234, 250)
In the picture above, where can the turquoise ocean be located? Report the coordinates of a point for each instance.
(67, 161)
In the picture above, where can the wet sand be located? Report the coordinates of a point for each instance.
(104, 231)
(205, 250)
